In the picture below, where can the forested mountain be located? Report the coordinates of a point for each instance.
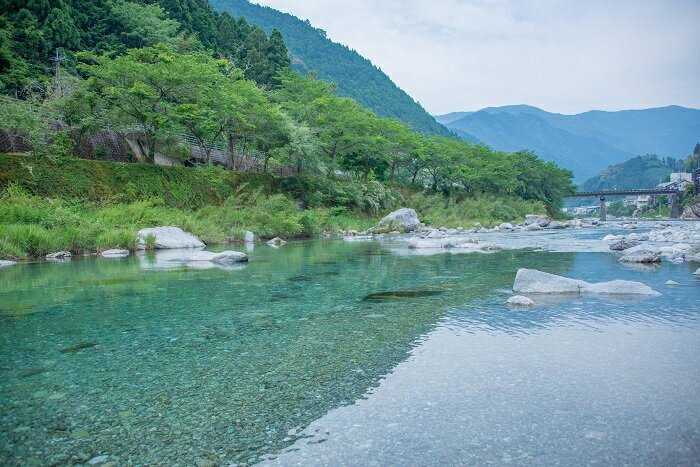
(585, 143)
(33, 33)
(639, 172)
(355, 76)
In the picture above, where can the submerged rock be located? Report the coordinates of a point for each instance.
(671, 283)
(114, 253)
(169, 237)
(405, 218)
(519, 300)
(403, 294)
(59, 255)
(276, 242)
(533, 281)
(697, 273)
(4, 263)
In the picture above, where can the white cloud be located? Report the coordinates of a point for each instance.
(564, 56)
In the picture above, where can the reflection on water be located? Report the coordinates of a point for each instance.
(153, 361)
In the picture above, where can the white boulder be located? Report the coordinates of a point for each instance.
(506, 226)
(114, 253)
(169, 237)
(533, 281)
(697, 273)
(610, 238)
(405, 218)
(534, 227)
(669, 282)
(249, 237)
(5, 263)
(519, 300)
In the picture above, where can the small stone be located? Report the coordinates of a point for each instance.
(595, 435)
(97, 460)
(126, 414)
(83, 456)
(40, 394)
(278, 241)
(82, 433)
(21, 429)
(109, 464)
(57, 396)
(204, 463)
(520, 300)
(671, 283)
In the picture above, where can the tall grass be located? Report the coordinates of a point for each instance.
(437, 210)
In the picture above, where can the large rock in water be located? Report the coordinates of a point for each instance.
(4, 263)
(225, 257)
(538, 282)
(114, 253)
(405, 218)
(533, 281)
(169, 237)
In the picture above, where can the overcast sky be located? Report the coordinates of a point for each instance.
(564, 56)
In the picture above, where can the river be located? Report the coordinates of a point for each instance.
(328, 352)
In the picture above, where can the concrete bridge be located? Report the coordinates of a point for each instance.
(602, 195)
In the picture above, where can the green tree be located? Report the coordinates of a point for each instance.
(143, 87)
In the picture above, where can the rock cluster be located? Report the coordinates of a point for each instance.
(60, 255)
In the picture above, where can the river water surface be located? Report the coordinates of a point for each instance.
(326, 352)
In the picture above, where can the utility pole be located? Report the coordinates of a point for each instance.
(57, 59)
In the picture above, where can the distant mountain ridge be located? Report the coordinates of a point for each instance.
(355, 76)
(585, 143)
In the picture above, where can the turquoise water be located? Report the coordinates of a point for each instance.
(149, 361)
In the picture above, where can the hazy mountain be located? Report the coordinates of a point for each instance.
(586, 142)
(355, 76)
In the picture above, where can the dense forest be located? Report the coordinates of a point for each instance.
(180, 67)
(356, 77)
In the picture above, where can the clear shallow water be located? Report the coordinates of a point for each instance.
(143, 359)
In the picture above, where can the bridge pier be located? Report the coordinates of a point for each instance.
(675, 208)
(602, 208)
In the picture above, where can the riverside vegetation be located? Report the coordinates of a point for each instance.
(151, 69)
(98, 205)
